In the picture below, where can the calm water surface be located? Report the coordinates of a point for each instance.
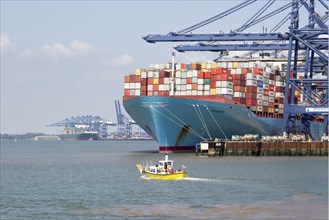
(99, 180)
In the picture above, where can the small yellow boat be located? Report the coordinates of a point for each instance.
(163, 171)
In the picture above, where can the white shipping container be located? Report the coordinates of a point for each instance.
(194, 73)
(218, 91)
(188, 92)
(253, 108)
(183, 87)
(266, 80)
(156, 74)
(265, 103)
(206, 93)
(271, 99)
(281, 105)
(250, 82)
(265, 86)
(183, 81)
(194, 92)
(278, 78)
(279, 95)
(137, 92)
(199, 92)
(178, 81)
(218, 84)
(200, 87)
(229, 65)
(268, 69)
(178, 87)
(150, 74)
(271, 93)
(177, 93)
(137, 85)
(161, 66)
(259, 108)
(132, 92)
(166, 87)
(144, 75)
(265, 98)
(157, 66)
(200, 81)
(239, 94)
(227, 91)
(233, 71)
(238, 71)
(178, 74)
(227, 84)
(126, 85)
(189, 74)
(266, 74)
(271, 82)
(166, 80)
(260, 96)
(260, 90)
(279, 84)
(206, 87)
(188, 86)
(183, 92)
(251, 76)
(259, 102)
(161, 87)
(150, 87)
(131, 85)
(260, 77)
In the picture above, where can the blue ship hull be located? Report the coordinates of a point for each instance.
(178, 124)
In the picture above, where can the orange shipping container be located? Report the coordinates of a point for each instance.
(126, 92)
(194, 86)
(150, 80)
(195, 66)
(127, 79)
(239, 88)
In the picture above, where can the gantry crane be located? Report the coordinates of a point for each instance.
(309, 41)
(124, 123)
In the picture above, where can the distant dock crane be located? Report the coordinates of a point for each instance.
(124, 123)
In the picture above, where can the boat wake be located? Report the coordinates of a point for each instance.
(196, 179)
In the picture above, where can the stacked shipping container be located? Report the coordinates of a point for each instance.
(257, 85)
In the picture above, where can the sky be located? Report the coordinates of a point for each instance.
(68, 58)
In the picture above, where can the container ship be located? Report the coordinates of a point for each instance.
(78, 133)
(182, 105)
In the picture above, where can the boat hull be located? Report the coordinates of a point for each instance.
(179, 123)
(170, 176)
(79, 137)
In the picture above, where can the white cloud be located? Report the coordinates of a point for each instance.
(5, 42)
(58, 50)
(80, 47)
(25, 53)
(122, 60)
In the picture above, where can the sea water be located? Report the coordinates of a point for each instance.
(99, 180)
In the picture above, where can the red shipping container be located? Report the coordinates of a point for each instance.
(265, 91)
(155, 87)
(258, 71)
(279, 89)
(206, 75)
(213, 77)
(251, 102)
(213, 84)
(251, 95)
(132, 78)
(276, 72)
(265, 108)
(188, 80)
(271, 87)
(127, 79)
(137, 78)
(239, 77)
(143, 93)
(150, 80)
(143, 81)
(221, 70)
(200, 75)
(225, 77)
(161, 80)
(237, 88)
(126, 92)
(251, 89)
(143, 88)
(239, 82)
(240, 100)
